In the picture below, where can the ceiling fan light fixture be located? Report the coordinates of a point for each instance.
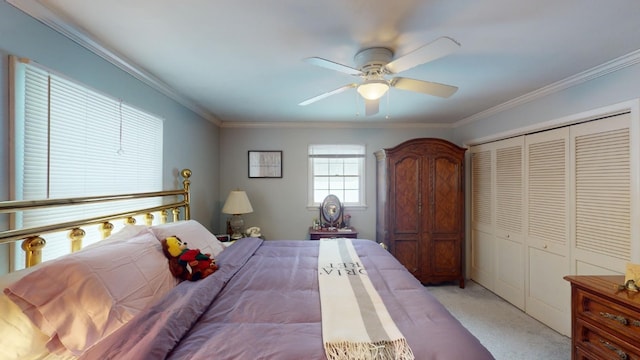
(373, 89)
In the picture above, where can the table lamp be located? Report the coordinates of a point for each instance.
(237, 204)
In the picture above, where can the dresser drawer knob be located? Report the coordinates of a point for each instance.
(622, 320)
(621, 354)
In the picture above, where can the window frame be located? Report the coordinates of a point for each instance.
(311, 176)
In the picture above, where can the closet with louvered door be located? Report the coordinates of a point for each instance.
(482, 261)
(579, 185)
(602, 231)
(547, 197)
(509, 221)
(497, 218)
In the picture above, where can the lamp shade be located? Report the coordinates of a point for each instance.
(237, 203)
(373, 89)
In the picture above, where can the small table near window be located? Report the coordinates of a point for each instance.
(326, 233)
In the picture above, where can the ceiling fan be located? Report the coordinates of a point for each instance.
(376, 63)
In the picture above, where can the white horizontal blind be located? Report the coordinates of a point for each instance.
(78, 142)
(547, 192)
(337, 170)
(509, 189)
(603, 204)
(481, 185)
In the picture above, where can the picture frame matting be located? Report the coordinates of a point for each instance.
(265, 163)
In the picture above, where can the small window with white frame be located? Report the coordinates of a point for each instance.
(338, 170)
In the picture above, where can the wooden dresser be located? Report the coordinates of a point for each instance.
(605, 322)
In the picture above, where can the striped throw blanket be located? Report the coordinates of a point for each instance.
(355, 322)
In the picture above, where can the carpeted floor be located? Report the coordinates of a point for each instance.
(506, 331)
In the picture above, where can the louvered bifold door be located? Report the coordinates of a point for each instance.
(509, 220)
(482, 238)
(547, 228)
(602, 227)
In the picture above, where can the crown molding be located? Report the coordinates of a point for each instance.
(611, 66)
(39, 12)
(332, 125)
(629, 106)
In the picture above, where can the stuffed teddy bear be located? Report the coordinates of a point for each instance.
(185, 263)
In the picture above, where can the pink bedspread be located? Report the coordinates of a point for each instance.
(263, 303)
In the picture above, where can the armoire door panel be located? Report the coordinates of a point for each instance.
(446, 257)
(426, 210)
(407, 254)
(406, 189)
(446, 196)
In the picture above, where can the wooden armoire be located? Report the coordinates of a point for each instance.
(420, 213)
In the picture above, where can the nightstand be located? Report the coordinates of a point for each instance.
(339, 233)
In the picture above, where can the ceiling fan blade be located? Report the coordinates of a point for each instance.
(434, 50)
(328, 64)
(327, 94)
(424, 87)
(371, 107)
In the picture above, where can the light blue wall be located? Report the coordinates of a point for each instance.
(189, 140)
(610, 89)
(280, 205)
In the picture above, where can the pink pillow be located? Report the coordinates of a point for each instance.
(124, 234)
(78, 299)
(19, 338)
(193, 233)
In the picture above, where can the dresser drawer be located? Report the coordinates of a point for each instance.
(593, 343)
(581, 354)
(618, 319)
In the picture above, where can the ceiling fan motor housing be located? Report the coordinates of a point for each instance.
(371, 61)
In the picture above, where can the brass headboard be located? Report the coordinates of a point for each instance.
(34, 243)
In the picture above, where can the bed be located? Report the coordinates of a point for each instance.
(117, 300)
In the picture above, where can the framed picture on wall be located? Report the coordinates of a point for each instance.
(265, 164)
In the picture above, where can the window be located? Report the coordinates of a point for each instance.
(72, 141)
(337, 170)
